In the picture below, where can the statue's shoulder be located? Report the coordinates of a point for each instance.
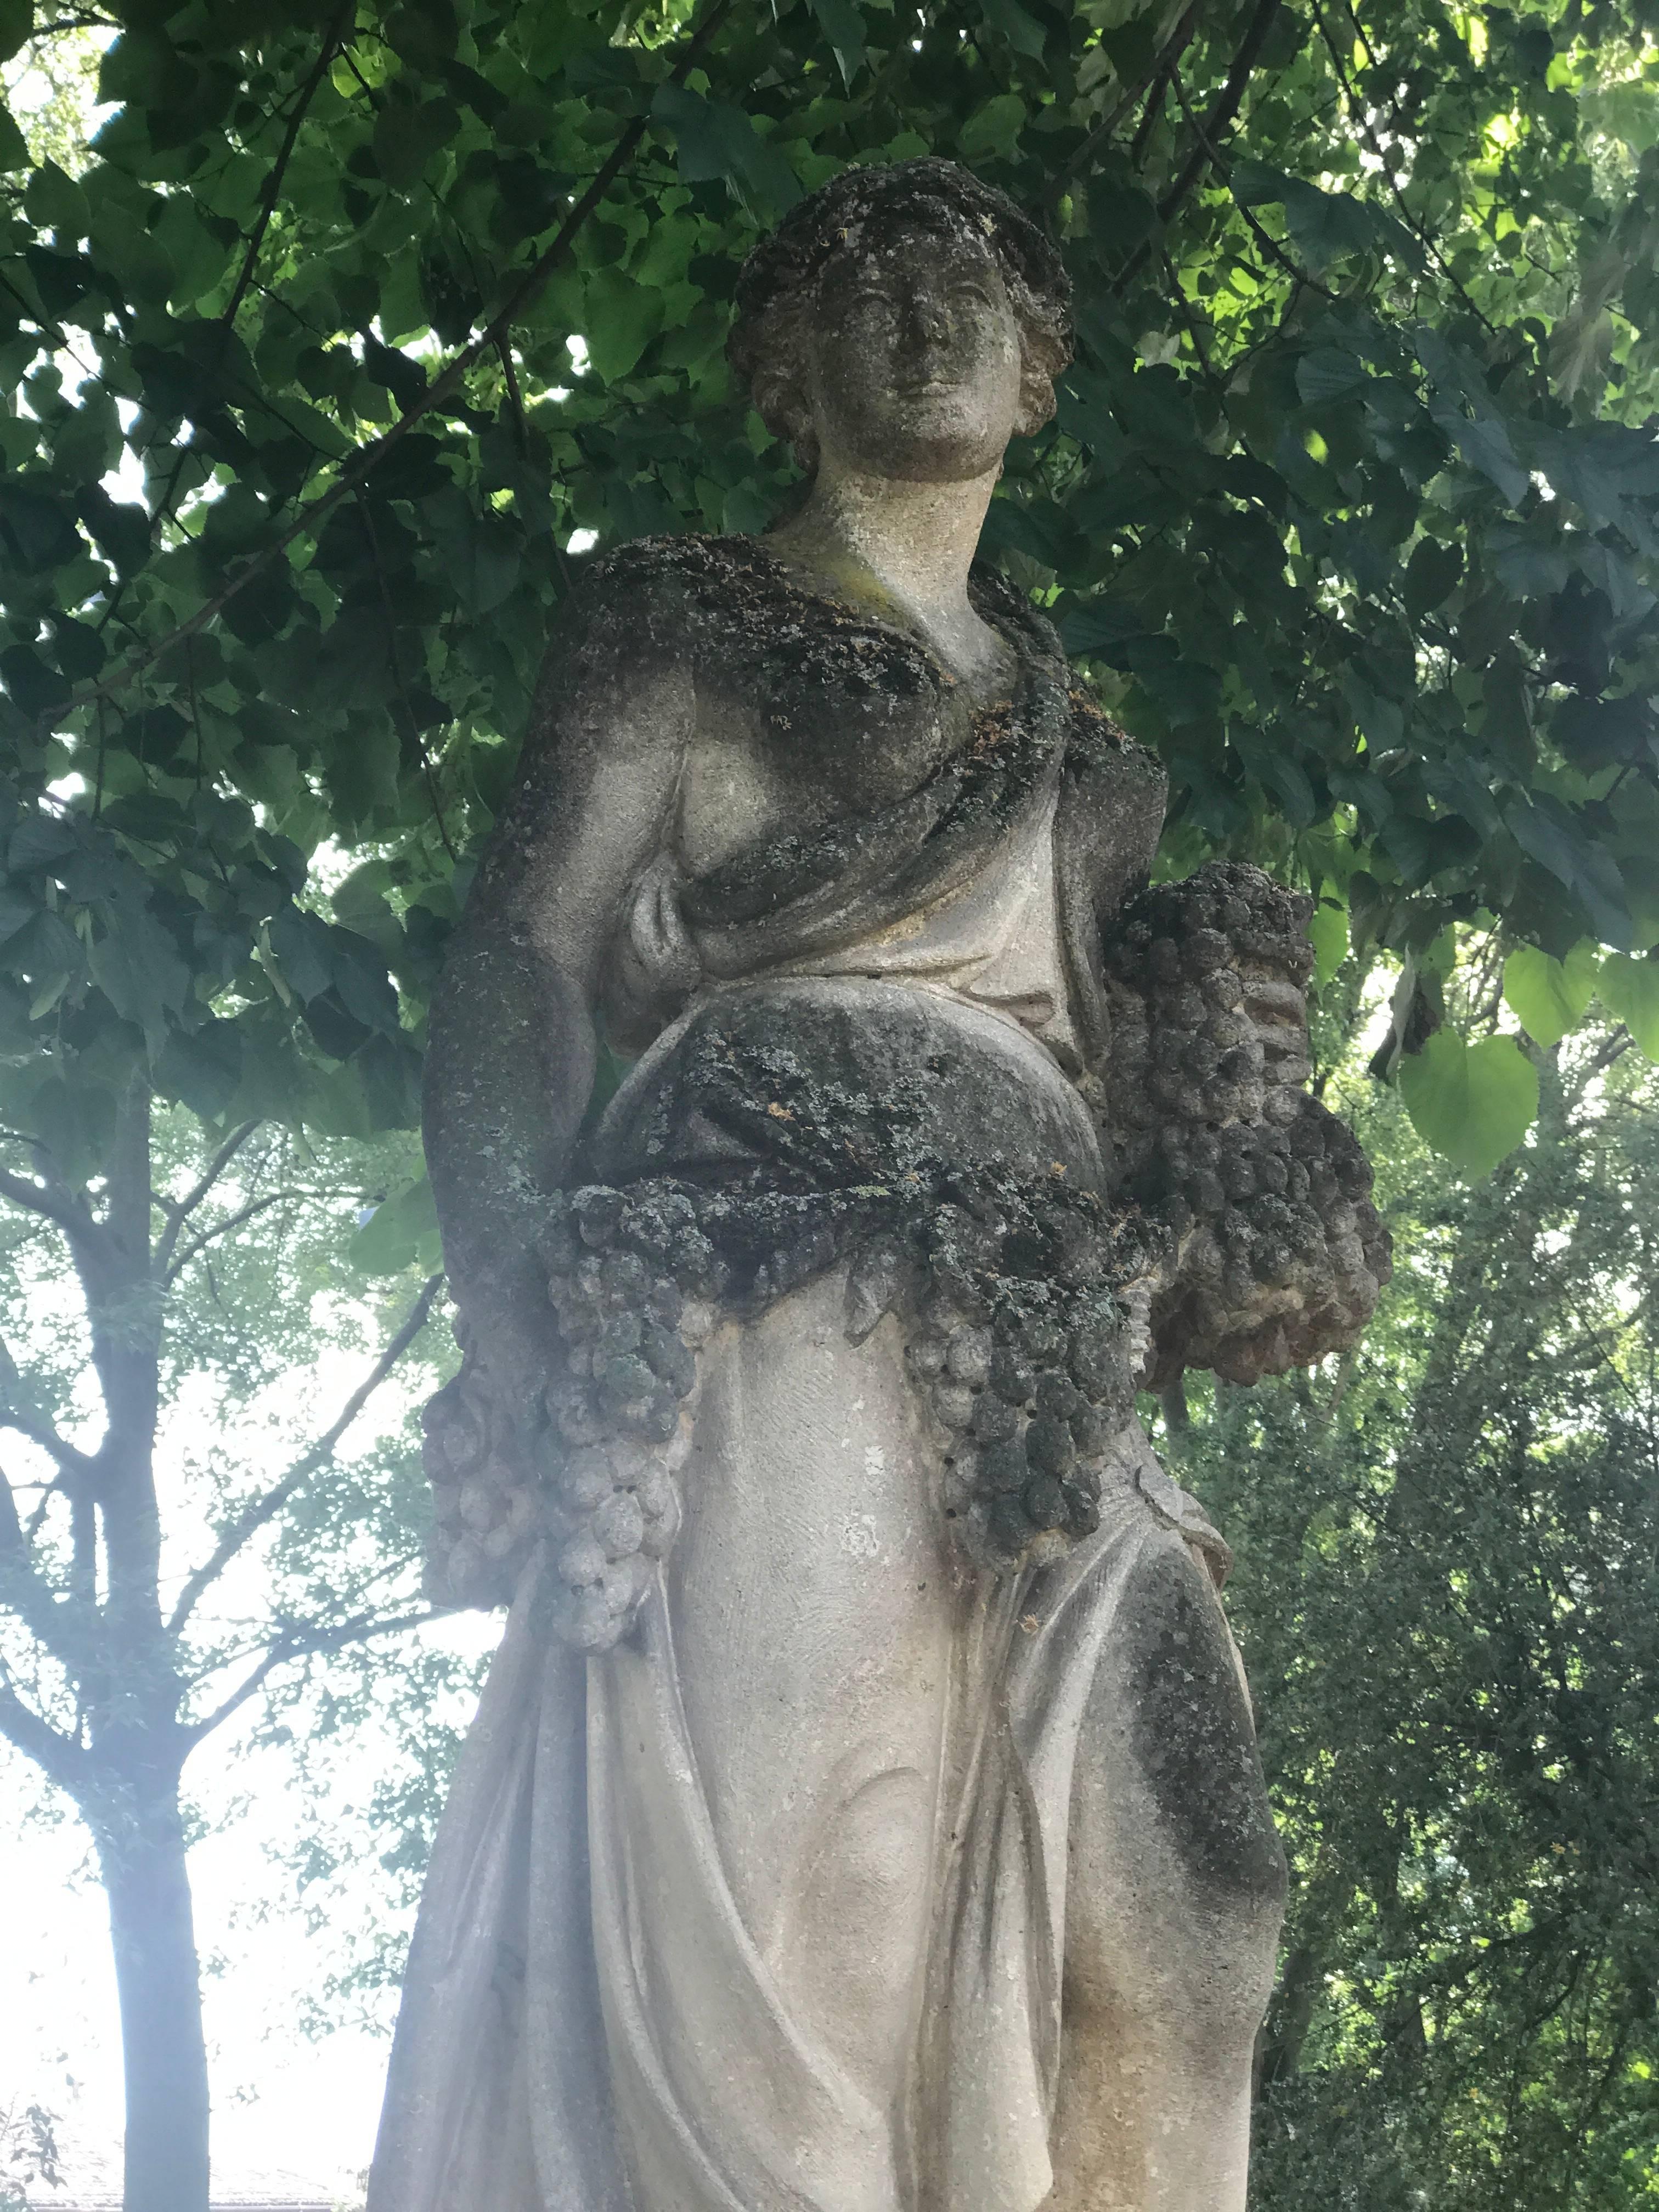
(1103, 746)
(1097, 741)
(682, 584)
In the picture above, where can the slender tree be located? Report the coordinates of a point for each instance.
(125, 1648)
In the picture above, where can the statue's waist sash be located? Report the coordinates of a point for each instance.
(840, 1082)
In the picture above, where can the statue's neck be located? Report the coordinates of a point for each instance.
(908, 545)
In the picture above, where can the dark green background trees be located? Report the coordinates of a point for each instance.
(1448, 1597)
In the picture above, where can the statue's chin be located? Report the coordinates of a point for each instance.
(927, 437)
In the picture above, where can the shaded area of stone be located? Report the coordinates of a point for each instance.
(1209, 1126)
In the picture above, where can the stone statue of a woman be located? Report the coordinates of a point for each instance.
(863, 1814)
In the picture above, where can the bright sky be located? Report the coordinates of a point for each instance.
(280, 2100)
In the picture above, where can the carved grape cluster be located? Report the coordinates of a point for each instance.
(1207, 980)
(487, 1509)
(620, 1266)
(1030, 1398)
(1024, 1307)
(1028, 1335)
(1209, 1127)
(1288, 1267)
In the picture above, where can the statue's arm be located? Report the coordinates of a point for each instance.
(1281, 1254)
(511, 1052)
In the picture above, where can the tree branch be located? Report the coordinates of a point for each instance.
(63, 1456)
(1263, 236)
(23, 1590)
(1223, 110)
(305, 1643)
(70, 1214)
(1225, 107)
(1418, 231)
(58, 1756)
(1148, 81)
(199, 1242)
(178, 1211)
(249, 1523)
(274, 182)
(315, 511)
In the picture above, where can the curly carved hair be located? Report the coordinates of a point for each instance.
(853, 212)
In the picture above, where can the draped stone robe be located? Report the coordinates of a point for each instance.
(764, 1908)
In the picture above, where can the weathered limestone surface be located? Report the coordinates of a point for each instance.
(864, 1814)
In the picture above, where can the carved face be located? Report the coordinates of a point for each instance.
(913, 360)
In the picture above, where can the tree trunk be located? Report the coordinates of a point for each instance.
(153, 1932)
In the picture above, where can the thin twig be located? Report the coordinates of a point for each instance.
(515, 398)
(1225, 108)
(307, 1644)
(249, 1523)
(274, 182)
(178, 1211)
(42, 1435)
(24, 1590)
(254, 1207)
(1423, 237)
(393, 655)
(56, 1756)
(1220, 120)
(71, 1214)
(1263, 236)
(1167, 55)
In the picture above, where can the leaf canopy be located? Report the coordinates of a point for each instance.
(1350, 509)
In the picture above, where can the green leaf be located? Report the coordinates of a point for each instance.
(1629, 989)
(1548, 997)
(407, 134)
(1328, 932)
(1471, 1102)
(1327, 227)
(1556, 839)
(401, 1232)
(203, 1067)
(622, 317)
(715, 140)
(992, 129)
(14, 147)
(1531, 567)
(843, 26)
(136, 964)
(53, 200)
(1432, 575)
(16, 23)
(1328, 374)
(1022, 31)
(1486, 446)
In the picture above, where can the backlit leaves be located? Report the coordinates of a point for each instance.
(1472, 1102)
(1323, 513)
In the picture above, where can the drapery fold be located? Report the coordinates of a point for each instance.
(589, 2026)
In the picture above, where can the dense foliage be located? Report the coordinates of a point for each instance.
(1350, 505)
(1448, 1600)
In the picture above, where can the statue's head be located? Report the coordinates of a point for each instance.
(911, 320)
